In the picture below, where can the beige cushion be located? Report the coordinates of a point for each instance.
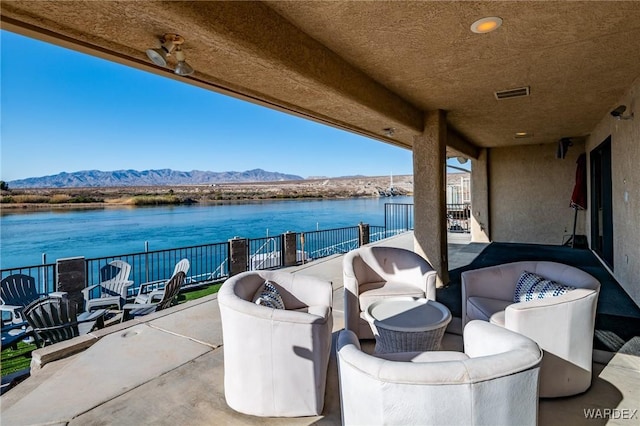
(435, 356)
(371, 273)
(373, 292)
(498, 318)
(481, 308)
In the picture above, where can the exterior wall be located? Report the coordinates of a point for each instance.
(625, 165)
(529, 194)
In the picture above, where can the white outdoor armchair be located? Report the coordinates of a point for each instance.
(494, 382)
(156, 300)
(563, 325)
(275, 360)
(112, 291)
(154, 291)
(372, 273)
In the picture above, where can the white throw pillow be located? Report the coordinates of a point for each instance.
(532, 286)
(268, 295)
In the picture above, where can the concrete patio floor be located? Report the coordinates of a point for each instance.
(167, 368)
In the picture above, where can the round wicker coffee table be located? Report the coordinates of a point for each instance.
(407, 324)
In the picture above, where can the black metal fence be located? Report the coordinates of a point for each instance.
(317, 244)
(265, 253)
(210, 262)
(397, 218)
(377, 233)
(458, 218)
(44, 275)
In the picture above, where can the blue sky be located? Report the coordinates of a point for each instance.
(62, 110)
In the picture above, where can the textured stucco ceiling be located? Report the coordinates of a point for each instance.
(365, 66)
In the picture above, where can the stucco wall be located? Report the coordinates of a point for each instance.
(430, 229)
(480, 229)
(530, 191)
(625, 165)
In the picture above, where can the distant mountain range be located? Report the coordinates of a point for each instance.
(97, 178)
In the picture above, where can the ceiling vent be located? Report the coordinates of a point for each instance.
(512, 93)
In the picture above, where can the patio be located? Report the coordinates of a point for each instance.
(167, 368)
(411, 74)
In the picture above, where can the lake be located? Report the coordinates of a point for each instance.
(25, 236)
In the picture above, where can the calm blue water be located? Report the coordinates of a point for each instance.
(114, 231)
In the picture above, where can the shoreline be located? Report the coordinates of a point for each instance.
(88, 198)
(105, 205)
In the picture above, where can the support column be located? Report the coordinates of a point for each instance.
(429, 194)
(289, 248)
(71, 277)
(363, 234)
(480, 231)
(238, 255)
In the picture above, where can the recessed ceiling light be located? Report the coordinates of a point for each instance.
(523, 135)
(486, 25)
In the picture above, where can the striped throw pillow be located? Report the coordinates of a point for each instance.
(268, 295)
(532, 286)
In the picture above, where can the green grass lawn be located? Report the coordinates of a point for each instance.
(196, 294)
(18, 359)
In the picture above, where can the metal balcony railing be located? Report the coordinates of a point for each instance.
(210, 262)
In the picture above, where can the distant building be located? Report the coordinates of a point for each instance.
(459, 188)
